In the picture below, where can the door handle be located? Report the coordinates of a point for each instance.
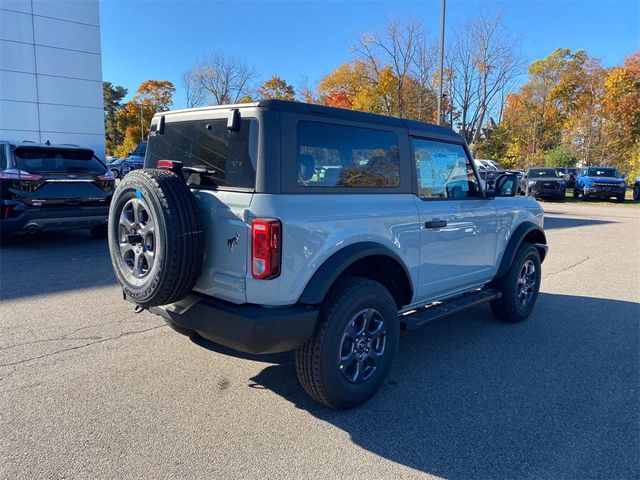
(435, 224)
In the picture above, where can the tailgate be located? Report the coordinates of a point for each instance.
(227, 243)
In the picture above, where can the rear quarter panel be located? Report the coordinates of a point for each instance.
(315, 226)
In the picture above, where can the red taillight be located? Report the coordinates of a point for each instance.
(107, 177)
(266, 248)
(15, 174)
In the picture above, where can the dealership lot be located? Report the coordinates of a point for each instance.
(90, 389)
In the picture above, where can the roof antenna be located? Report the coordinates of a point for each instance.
(47, 142)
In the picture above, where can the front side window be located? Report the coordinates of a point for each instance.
(444, 170)
(212, 155)
(346, 157)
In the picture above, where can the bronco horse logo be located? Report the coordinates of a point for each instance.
(232, 243)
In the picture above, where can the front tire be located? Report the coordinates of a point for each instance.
(519, 287)
(347, 359)
(636, 194)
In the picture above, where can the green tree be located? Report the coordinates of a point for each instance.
(559, 157)
(112, 96)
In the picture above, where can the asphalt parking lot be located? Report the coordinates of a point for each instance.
(90, 389)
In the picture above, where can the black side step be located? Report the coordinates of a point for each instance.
(427, 314)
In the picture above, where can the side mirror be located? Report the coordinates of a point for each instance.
(130, 152)
(506, 185)
(622, 176)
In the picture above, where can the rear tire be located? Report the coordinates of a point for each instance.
(636, 194)
(155, 235)
(347, 359)
(620, 199)
(519, 287)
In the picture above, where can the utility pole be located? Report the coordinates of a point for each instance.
(141, 124)
(441, 61)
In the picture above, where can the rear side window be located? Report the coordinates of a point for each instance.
(227, 157)
(56, 160)
(346, 157)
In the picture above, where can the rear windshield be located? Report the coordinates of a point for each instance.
(543, 173)
(602, 172)
(56, 160)
(229, 157)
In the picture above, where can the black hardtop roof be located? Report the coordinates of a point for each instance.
(301, 107)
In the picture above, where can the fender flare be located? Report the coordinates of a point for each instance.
(517, 237)
(324, 277)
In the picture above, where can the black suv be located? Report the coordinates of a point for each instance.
(52, 187)
(544, 183)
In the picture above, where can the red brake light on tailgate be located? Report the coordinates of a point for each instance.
(266, 248)
(15, 174)
(165, 164)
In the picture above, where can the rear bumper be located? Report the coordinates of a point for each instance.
(57, 219)
(247, 328)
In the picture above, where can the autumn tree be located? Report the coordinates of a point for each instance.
(276, 88)
(134, 118)
(112, 96)
(218, 79)
(391, 73)
(621, 112)
(483, 63)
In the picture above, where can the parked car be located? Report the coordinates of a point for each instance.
(121, 166)
(544, 183)
(276, 226)
(601, 182)
(636, 189)
(569, 175)
(52, 187)
(135, 160)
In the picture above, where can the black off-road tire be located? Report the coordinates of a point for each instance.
(317, 361)
(620, 199)
(507, 308)
(636, 194)
(178, 237)
(576, 193)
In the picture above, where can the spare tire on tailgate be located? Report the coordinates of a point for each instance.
(156, 240)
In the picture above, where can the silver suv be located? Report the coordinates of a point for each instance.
(276, 226)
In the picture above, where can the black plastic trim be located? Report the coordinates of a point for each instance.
(247, 327)
(514, 244)
(322, 280)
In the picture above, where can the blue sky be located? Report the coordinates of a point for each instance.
(160, 40)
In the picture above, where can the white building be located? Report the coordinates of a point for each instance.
(51, 72)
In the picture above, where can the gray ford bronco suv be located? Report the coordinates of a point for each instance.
(276, 226)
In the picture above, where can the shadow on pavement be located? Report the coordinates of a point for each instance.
(53, 262)
(469, 397)
(552, 223)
